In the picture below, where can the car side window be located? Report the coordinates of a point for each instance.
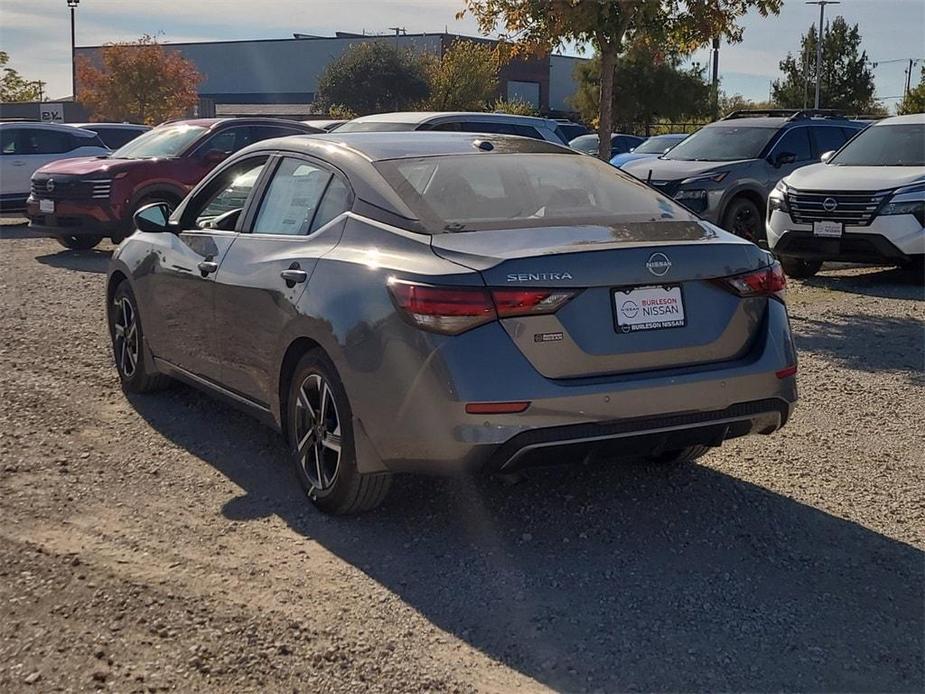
(35, 141)
(336, 201)
(796, 141)
(448, 126)
(229, 140)
(214, 208)
(292, 198)
(9, 142)
(265, 132)
(827, 139)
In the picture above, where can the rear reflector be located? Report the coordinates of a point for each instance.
(769, 281)
(787, 373)
(496, 407)
(453, 310)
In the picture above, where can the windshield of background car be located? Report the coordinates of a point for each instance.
(656, 145)
(374, 126)
(585, 143)
(885, 145)
(472, 192)
(723, 143)
(166, 141)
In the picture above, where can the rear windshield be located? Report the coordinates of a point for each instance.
(657, 144)
(374, 126)
(885, 145)
(585, 143)
(502, 191)
(723, 143)
(165, 141)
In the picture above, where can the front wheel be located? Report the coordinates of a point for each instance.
(128, 344)
(743, 218)
(798, 268)
(82, 242)
(321, 441)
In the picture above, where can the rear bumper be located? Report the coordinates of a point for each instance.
(76, 218)
(427, 430)
(891, 239)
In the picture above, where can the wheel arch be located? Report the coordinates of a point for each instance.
(747, 192)
(294, 352)
(173, 193)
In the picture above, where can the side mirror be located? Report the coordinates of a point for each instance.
(214, 156)
(826, 156)
(784, 158)
(632, 149)
(153, 218)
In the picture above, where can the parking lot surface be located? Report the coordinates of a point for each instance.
(160, 542)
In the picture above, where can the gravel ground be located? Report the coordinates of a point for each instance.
(159, 543)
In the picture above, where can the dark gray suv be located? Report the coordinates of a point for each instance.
(726, 170)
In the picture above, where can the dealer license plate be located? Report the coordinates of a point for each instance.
(830, 230)
(47, 206)
(648, 308)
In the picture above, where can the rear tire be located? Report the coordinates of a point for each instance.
(78, 243)
(128, 344)
(743, 218)
(798, 268)
(682, 456)
(321, 441)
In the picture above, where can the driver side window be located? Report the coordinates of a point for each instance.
(221, 204)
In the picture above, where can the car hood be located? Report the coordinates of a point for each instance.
(824, 177)
(622, 159)
(673, 169)
(88, 165)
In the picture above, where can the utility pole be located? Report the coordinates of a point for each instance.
(72, 5)
(909, 78)
(822, 4)
(716, 78)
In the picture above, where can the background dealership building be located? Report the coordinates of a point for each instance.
(280, 76)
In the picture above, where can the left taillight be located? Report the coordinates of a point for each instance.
(453, 310)
(768, 281)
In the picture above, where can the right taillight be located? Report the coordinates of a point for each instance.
(453, 310)
(768, 281)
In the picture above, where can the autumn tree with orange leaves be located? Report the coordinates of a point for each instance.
(139, 81)
(541, 26)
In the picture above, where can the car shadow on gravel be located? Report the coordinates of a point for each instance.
(607, 576)
(95, 260)
(886, 283)
(865, 342)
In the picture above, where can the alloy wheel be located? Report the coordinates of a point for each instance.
(125, 336)
(745, 224)
(318, 433)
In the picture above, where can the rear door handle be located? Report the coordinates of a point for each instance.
(293, 276)
(207, 266)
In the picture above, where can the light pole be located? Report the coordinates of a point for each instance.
(72, 5)
(822, 4)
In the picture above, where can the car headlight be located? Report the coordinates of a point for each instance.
(782, 187)
(914, 207)
(915, 188)
(777, 200)
(715, 177)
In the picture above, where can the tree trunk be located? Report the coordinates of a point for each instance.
(608, 53)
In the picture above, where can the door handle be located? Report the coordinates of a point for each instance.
(18, 162)
(294, 276)
(207, 266)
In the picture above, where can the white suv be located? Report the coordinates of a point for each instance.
(27, 146)
(864, 204)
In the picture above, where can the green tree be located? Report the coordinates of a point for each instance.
(540, 26)
(372, 77)
(914, 101)
(465, 78)
(515, 107)
(13, 87)
(847, 80)
(653, 87)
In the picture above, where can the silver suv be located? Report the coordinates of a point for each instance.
(725, 171)
(459, 121)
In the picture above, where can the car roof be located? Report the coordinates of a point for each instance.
(910, 119)
(62, 127)
(127, 126)
(779, 122)
(418, 117)
(216, 122)
(380, 146)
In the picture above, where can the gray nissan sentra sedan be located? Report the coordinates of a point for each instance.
(445, 302)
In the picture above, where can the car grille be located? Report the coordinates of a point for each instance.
(855, 208)
(96, 189)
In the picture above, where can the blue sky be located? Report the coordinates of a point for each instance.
(36, 32)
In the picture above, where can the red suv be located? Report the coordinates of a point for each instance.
(80, 201)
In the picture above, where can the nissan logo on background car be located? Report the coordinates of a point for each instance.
(830, 204)
(658, 264)
(50, 184)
